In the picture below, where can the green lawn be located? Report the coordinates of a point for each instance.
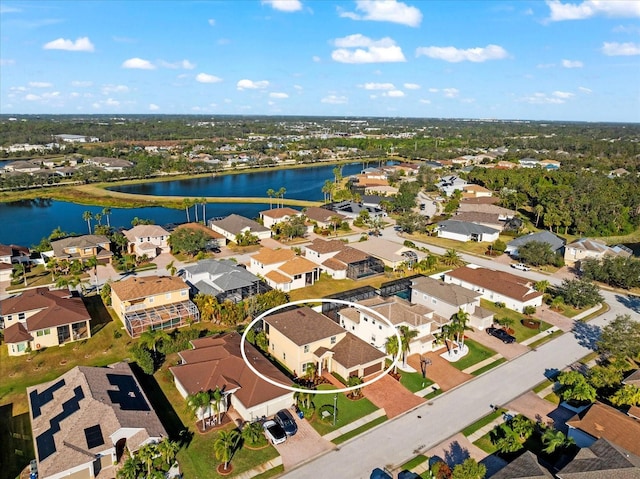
(522, 333)
(485, 444)
(348, 410)
(483, 421)
(359, 430)
(433, 394)
(489, 366)
(415, 462)
(477, 352)
(414, 381)
(543, 385)
(553, 398)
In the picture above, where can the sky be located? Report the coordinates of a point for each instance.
(523, 60)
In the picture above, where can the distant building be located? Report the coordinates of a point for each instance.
(555, 242)
(234, 225)
(588, 248)
(466, 231)
(278, 215)
(76, 138)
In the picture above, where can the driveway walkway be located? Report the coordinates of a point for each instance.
(539, 409)
(508, 351)
(440, 370)
(552, 317)
(303, 446)
(390, 395)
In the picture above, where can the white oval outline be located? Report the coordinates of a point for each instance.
(314, 391)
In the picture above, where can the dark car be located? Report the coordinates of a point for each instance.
(286, 421)
(501, 334)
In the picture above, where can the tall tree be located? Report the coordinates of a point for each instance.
(392, 347)
(87, 216)
(552, 440)
(224, 446)
(627, 395)
(198, 403)
(620, 338)
(271, 193)
(469, 469)
(106, 211)
(406, 336)
(460, 324)
(452, 258)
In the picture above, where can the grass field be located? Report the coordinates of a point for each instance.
(489, 366)
(522, 333)
(414, 381)
(477, 352)
(359, 430)
(348, 410)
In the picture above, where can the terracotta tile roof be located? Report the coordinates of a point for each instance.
(16, 333)
(298, 265)
(145, 231)
(501, 282)
(326, 246)
(278, 277)
(322, 215)
(272, 256)
(136, 288)
(334, 264)
(13, 250)
(280, 212)
(602, 421)
(303, 325)
(397, 310)
(217, 362)
(351, 351)
(351, 255)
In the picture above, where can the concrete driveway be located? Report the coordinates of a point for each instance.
(390, 395)
(305, 445)
(508, 351)
(538, 409)
(440, 370)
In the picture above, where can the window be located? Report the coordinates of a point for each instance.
(151, 299)
(434, 300)
(373, 321)
(43, 332)
(333, 340)
(373, 338)
(167, 295)
(297, 276)
(273, 347)
(306, 348)
(424, 296)
(184, 293)
(21, 347)
(380, 326)
(366, 320)
(21, 316)
(284, 356)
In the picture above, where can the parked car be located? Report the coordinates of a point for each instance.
(274, 432)
(286, 421)
(501, 334)
(33, 469)
(520, 266)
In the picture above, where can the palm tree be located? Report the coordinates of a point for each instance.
(327, 190)
(541, 286)
(280, 195)
(216, 397)
(20, 270)
(271, 193)
(203, 202)
(392, 347)
(106, 211)
(406, 336)
(186, 202)
(147, 454)
(355, 381)
(303, 397)
(522, 426)
(451, 258)
(337, 174)
(252, 432)
(199, 402)
(538, 210)
(130, 469)
(151, 338)
(168, 450)
(87, 216)
(335, 221)
(92, 263)
(171, 268)
(459, 323)
(69, 283)
(225, 445)
(52, 264)
(553, 440)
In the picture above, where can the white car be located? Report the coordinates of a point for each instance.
(520, 266)
(274, 432)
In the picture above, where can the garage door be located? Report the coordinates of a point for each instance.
(376, 368)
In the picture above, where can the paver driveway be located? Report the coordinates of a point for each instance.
(390, 395)
(440, 370)
(303, 446)
(508, 351)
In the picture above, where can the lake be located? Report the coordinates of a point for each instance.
(27, 222)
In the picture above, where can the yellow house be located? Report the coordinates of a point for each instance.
(302, 337)
(153, 302)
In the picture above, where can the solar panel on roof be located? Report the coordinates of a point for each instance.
(45, 443)
(94, 437)
(128, 394)
(38, 400)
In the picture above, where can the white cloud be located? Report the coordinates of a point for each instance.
(433, 90)
(112, 102)
(394, 93)
(6, 9)
(284, 5)
(385, 11)
(298, 87)
(572, 64)
(316, 59)
(108, 89)
(74, 94)
(545, 65)
(5, 62)
(372, 51)
(18, 88)
(82, 44)
(40, 84)
(562, 94)
(455, 55)
(32, 97)
(614, 49)
(425, 101)
(543, 98)
(278, 95)
(206, 78)
(450, 92)
(632, 29)
(138, 64)
(53, 94)
(81, 84)
(185, 64)
(211, 22)
(590, 8)
(378, 86)
(335, 100)
(153, 107)
(585, 90)
(412, 86)
(251, 85)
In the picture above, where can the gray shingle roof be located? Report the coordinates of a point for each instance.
(543, 237)
(224, 275)
(465, 228)
(602, 459)
(525, 466)
(234, 224)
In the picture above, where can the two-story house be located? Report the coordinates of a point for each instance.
(153, 302)
(278, 215)
(514, 291)
(82, 248)
(588, 248)
(224, 279)
(302, 336)
(40, 318)
(341, 261)
(234, 225)
(149, 240)
(10, 254)
(283, 270)
(323, 217)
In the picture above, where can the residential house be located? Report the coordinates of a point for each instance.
(451, 183)
(525, 466)
(282, 269)
(549, 164)
(234, 225)
(6, 270)
(399, 312)
(371, 200)
(374, 173)
(602, 421)
(588, 248)
(109, 164)
(153, 302)
(490, 220)
(14, 254)
(466, 231)
(82, 248)
(352, 210)
(217, 363)
(40, 318)
(224, 279)
(390, 253)
(475, 191)
(446, 299)
(147, 240)
(528, 163)
(23, 166)
(215, 240)
(302, 336)
(602, 459)
(76, 138)
(278, 215)
(341, 261)
(485, 205)
(555, 242)
(84, 421)
(514, 291)
(323, 217)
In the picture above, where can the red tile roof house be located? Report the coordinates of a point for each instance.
(283, 269)
(40, 318)
(303, 336)
(341, 261)
(514, 291)
(83, 421)
(216, 362)
(278, 215)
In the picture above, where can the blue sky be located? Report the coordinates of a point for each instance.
(536, 60)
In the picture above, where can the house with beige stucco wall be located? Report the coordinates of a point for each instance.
(149, 240)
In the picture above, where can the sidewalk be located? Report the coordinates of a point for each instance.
(482, 364)
(354, 425)
(541, 335)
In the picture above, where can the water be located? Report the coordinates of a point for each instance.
(27, 222)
